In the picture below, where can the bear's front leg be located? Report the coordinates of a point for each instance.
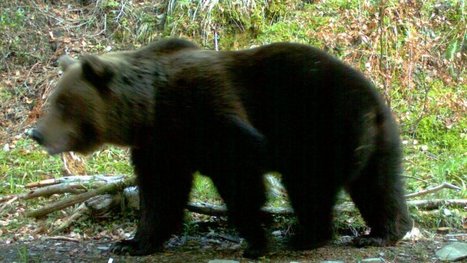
(163, 192)
(236, 169)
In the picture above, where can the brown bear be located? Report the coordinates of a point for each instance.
(233, 116)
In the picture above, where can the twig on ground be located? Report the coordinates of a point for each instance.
(82, 179)
(73, 188)
(14, 198)
(81, 211)
(62, 238)
(433, 189)
(43, 183)
(6, 198)
(436, 203)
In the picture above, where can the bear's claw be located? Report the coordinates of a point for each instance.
(254, 252)
(133, 248)
(372, 241)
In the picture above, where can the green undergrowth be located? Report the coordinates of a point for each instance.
(25, 163)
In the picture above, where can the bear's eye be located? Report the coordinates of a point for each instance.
(60, 103)
(60, 106)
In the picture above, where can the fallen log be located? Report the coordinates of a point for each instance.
(111, 191)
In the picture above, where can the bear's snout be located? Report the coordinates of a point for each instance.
(36, 136)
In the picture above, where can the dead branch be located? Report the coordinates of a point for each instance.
(101, 205)
(275, 186)
(433, 189)
(42, 183)
(47, 189)
(437, 203)
(106, 198)
(110, 188)
(9, 201)
(91, 179)
(81, 211)
(207, 209)
(7, 198)
(67, 184)
(73, 188)
(62, 238)
(217, 210)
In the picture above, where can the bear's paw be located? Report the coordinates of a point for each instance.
(134, 247)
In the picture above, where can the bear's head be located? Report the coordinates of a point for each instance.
(75, 117)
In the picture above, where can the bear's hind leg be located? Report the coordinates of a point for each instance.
(379, 196)
(163, 192)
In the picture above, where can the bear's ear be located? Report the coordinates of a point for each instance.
(65, 62)
(97, 71)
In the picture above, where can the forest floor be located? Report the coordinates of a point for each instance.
(209, 247)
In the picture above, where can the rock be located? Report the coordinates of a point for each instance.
(453, 251)
(372, 260)
(223, 261)
(277, 233)
(6, 147)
